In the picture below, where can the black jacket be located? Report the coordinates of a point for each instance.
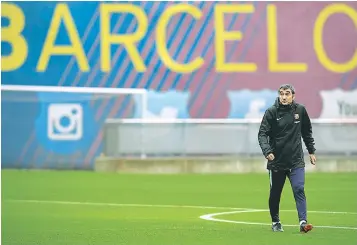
(280, 133)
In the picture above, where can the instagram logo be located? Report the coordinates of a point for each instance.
(65, 122)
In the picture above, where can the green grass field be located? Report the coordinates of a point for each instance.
(52, 208)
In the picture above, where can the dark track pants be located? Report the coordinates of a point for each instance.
(277, 181)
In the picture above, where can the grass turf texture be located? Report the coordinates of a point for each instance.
(77, 223)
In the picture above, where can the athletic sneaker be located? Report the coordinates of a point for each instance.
(276, 227)
(305, 227)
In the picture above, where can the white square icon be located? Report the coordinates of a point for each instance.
(65, 122)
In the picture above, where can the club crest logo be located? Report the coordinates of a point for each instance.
(296, 116)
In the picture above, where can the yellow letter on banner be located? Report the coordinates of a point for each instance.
(273, 62)
(161, 38)
(318, 42)
(222, 36)
(128, 40)
(12, 35)
(49, 48)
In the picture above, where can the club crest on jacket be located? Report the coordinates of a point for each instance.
(296, 116)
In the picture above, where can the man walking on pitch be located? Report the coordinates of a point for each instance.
(280, 132)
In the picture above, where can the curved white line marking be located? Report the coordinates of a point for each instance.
(205, 217)
(210, 218)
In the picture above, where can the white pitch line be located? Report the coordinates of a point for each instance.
(121, 204)
(205, 217)
(209, 217)
(158, 206)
